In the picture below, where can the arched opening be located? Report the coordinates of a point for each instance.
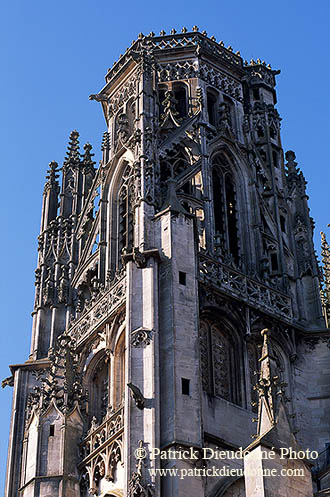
(122, 217)
(172, 166)
(260, 131)
(231, 212)
(219, 361)
(180, 95)
(272, 132)
(161, 97)
(237, 489)
(225, 210)
(119, 372)
(230, 111)
(256, 93)
(211, 99)
(99, 389)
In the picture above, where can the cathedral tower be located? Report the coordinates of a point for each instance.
(156, 273)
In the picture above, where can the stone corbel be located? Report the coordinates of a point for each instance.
(140, 258)
(141, 337)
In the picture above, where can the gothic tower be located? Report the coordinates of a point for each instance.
(156, 273)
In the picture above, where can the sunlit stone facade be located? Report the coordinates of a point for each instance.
(156, 273)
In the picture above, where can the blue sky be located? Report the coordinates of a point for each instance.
(54, 54)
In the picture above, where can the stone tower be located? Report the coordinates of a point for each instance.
(156, 273)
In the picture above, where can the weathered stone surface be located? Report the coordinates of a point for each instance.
(156, 273)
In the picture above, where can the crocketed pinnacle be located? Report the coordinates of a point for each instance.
(269, 387)
(325, 252)
(52, 176)
(294, 174)
(72, 157)
(87, 161)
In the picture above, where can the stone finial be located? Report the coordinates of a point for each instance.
(173, 31)
(162, 33)
(195, 29)
(213, 38)
(184, 30)
(221, 43)
(290, 155)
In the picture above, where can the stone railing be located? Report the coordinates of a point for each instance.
(106, 303)
(101, 450)
(238, 285)
(195, 39)
(100, 436)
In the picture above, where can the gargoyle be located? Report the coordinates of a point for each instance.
(137, 396)
(8, 381)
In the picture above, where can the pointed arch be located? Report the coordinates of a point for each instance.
(225, 209)
(119, 194)
(175, 163)
(221, 358)
(230, 486)
(119, 371)
(97, 380)
(212, 99)
(180, 91)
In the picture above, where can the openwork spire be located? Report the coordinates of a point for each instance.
(325, 287)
